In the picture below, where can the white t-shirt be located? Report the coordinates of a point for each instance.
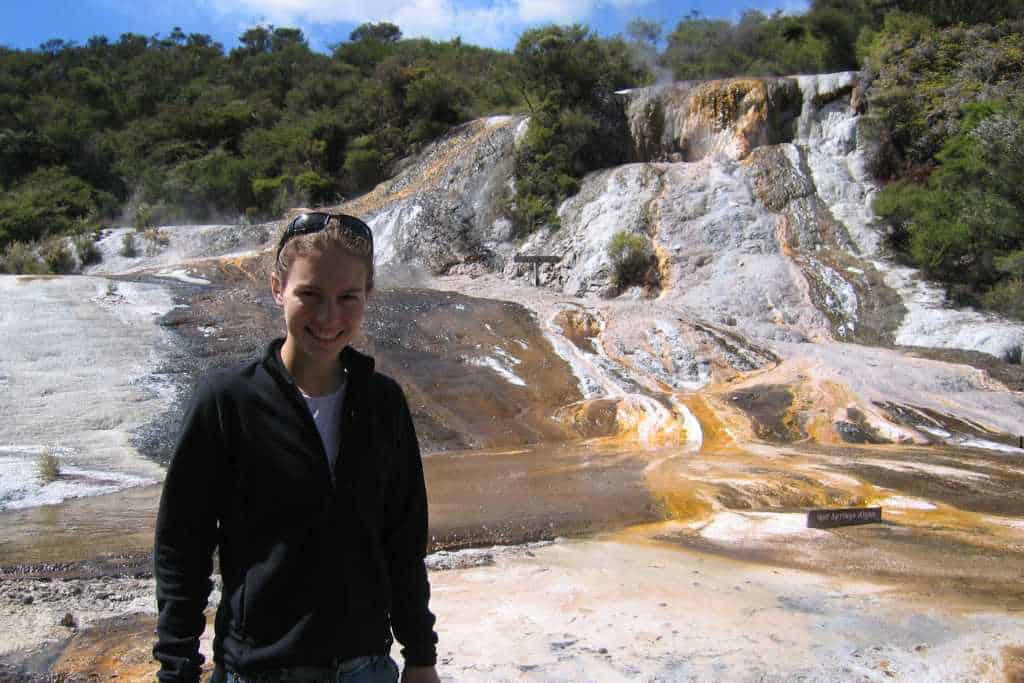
(326, 411)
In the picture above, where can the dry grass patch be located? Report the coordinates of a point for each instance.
(48, 466)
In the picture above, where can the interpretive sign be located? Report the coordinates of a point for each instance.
(536, 261)
(826, 519)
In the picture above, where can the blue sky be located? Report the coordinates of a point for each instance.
(494, 23)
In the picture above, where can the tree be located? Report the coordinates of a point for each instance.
(966, 223)
(701, 48)
(364, 51)
(47, 202)
(922, 79)
(175, 122)
(577, 124)
(945, 13)
(762, 45)
(382, 32)
(255, 40)
(561, 65)
(645, 32)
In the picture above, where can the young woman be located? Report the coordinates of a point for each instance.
(304, 470)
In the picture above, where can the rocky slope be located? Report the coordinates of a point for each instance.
(755, 198)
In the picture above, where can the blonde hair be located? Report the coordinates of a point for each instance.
(333, 237)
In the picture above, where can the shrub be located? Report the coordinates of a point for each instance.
(143, 217)
(1007, 297)
(57, 256)
(271, 193)
(128, 247)
(47, 202)
(577, 124)
(631, 258)
(1011, 264)
(86, 250)
(531, 212)
(962, 225)
(156, 239)
(314, 188)
(48, 466)
(20, 258)
(364, 167)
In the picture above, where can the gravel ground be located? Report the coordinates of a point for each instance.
(37, 611)
(618, 608)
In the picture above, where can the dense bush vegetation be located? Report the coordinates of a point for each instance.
(175, 128)
(632, 259)
(922, 79)
(567, 77)
(949, 101)
(164, 129)
(760, 45)
(965, 222)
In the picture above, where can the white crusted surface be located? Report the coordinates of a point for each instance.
(77, 373)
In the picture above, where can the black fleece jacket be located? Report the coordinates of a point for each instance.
(315, 568)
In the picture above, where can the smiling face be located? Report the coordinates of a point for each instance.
(324, 298)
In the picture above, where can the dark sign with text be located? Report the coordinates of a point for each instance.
(826, 519)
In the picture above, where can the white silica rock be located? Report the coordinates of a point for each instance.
(443, 210)
(836, 156)
(726, 260)
(931, 322)
(741, 210)
(183, 243)
(391, 229)
(78, 375)
(609, 202)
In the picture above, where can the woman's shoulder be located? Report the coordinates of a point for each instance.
(359, 364)
(387, 383)
(235, 380)
(387, 396)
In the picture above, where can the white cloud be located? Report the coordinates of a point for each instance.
(492, 22)
(557, 11)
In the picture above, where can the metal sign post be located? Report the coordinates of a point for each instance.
(536, 261)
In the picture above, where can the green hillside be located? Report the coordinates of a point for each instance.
(157, 130)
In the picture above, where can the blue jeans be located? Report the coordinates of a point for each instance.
(372, 669)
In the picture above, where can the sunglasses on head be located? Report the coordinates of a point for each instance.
(308, 223)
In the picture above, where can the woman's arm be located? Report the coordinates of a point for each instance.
(186, 533)
(406, 547)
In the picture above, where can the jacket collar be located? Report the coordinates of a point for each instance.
(357, 365)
